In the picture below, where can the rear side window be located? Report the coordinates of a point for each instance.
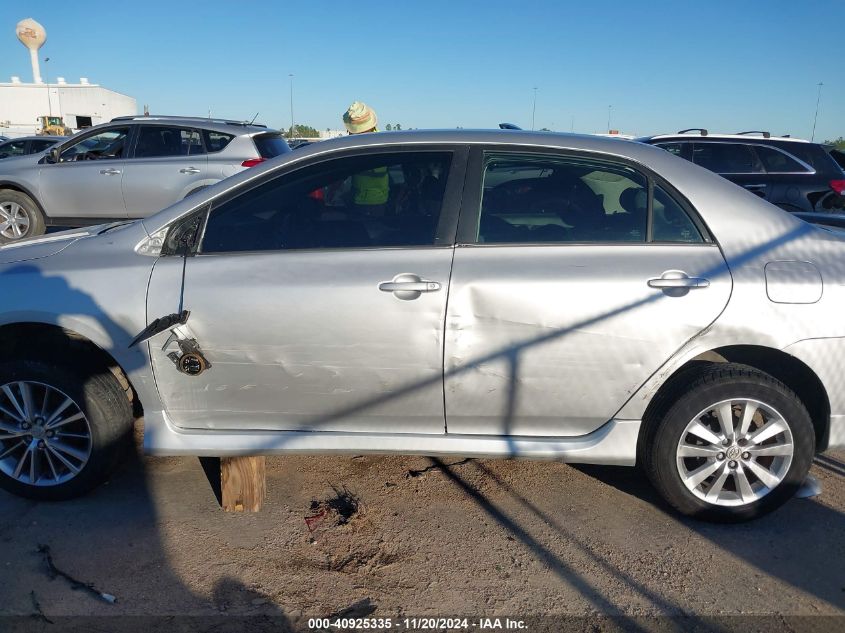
(155, 141)
(40, 146)
(776, 161)
(270, 145)
(541, 199)
(670, 222)
(724, 158)
(839, 157)
(215, 141)
(530, 199)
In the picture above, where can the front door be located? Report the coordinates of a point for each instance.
(168, 163)
(564, 298)
(318, 297)
(86, 182)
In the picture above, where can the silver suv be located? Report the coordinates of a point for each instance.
(130, 167)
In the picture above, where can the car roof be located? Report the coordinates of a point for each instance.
(218, 125)
(42, 137)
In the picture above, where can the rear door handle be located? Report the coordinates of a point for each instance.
(110, 172)
(189, 170)
(678, 279)
(408, 286)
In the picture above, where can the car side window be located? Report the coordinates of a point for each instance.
(216, 141)
(541, 199)
(670, 223)
(12, 148)
(369, 201)
(155, 141)
(673, 148)
(725, 158)
(40, 146)
(776, 161)
(106, 145)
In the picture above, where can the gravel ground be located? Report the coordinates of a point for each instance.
(400, 536)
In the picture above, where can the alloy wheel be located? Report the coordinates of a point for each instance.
(45, 438)
(735, 452)
(14, 220)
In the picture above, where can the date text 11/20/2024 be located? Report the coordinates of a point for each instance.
(416, 624)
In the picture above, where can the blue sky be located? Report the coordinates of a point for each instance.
(662, 65)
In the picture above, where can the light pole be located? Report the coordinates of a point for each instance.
(47, 83)
(291, 104)
(818, 99)
(534, 108)
(609, 108)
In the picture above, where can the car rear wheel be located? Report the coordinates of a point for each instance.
(733, 444)
(61, 431)
(20, 217)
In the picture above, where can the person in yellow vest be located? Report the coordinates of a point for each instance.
(370, 189)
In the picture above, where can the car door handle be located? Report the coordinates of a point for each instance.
(407, 286)
(413, 286)
(678, 279)
(189, 170)
(110, 172)
(753, 187)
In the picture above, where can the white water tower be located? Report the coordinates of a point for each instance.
(32, 35)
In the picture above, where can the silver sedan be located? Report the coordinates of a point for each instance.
(476, 293)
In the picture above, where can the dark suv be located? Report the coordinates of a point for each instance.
(791, 173)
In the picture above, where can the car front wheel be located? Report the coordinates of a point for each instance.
(733, 444)
(61, 430)
(20, 217)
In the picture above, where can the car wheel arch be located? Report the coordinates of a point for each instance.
(788, 369)
(48, 341)
(13, 186)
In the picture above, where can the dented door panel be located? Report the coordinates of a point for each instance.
(306, 340)
(553, 340)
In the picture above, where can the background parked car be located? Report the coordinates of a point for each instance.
(26, 145)
(130, 167)
(791, 173)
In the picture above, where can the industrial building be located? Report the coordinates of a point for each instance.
(81, 104)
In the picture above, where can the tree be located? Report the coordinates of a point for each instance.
(302, 131)
(838, 143)
(388, 127)
(397, 127)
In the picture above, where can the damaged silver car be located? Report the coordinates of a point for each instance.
(489, 293)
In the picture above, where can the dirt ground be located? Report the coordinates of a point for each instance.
(413, 536)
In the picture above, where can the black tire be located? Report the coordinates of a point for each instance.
(698, 389)
(101, 398)
(30, 208)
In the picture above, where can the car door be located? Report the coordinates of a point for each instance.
(167, 163)
(86, 182)
(319, 306)
(565, 297)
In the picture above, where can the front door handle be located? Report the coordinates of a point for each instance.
(110, 172)
(408, 286)
(678, 279)
(189, 170)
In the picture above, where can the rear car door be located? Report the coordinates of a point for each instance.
(168, 163)
(318, 297)
(86, 182)
(575, 278)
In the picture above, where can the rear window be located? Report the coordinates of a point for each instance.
(270, 145)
